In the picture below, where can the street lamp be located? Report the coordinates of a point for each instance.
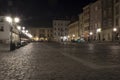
(23, 28)
(73, 35)
(26, 31)
(23, 31)
(16, 20)
(114, 32)
(19, 27)
(98, 31)
(68, 36)
(91, 33)
(114, 29)
(8, 19)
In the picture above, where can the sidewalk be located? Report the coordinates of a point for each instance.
(4, 47)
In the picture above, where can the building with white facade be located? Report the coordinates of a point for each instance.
(60, 30)
(9, 33)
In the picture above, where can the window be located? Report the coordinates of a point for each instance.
(61, 29)
(65, 34)
(48, 35)
(43, 31)
(51, 35)
(117, 10)
(104, 13)
(117, 22)
(41, 35)
(87, 28)
(58, 34)
(1, 28)
(65, 28)
(54, 33)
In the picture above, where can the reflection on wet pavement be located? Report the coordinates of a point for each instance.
(98, 54)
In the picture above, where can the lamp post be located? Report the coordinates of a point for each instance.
(73, 37)
(68, 38)
(114, 33)
(98, 31)
(91, 33)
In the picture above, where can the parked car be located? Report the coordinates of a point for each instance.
(80, 40)
(23, 43)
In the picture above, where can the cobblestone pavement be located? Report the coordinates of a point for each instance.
(53, 61)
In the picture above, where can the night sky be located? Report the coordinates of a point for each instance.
(39, 13)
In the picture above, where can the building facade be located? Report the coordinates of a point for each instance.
(98, 20)
(9, 34)
(42, 34)
(107, 20)
(86, 21)
(4, 30)
(116, 29)
(80, 25)
(73, 31)
(95, 20)
(60, 30)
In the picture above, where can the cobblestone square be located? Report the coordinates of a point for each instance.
(54, 61)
